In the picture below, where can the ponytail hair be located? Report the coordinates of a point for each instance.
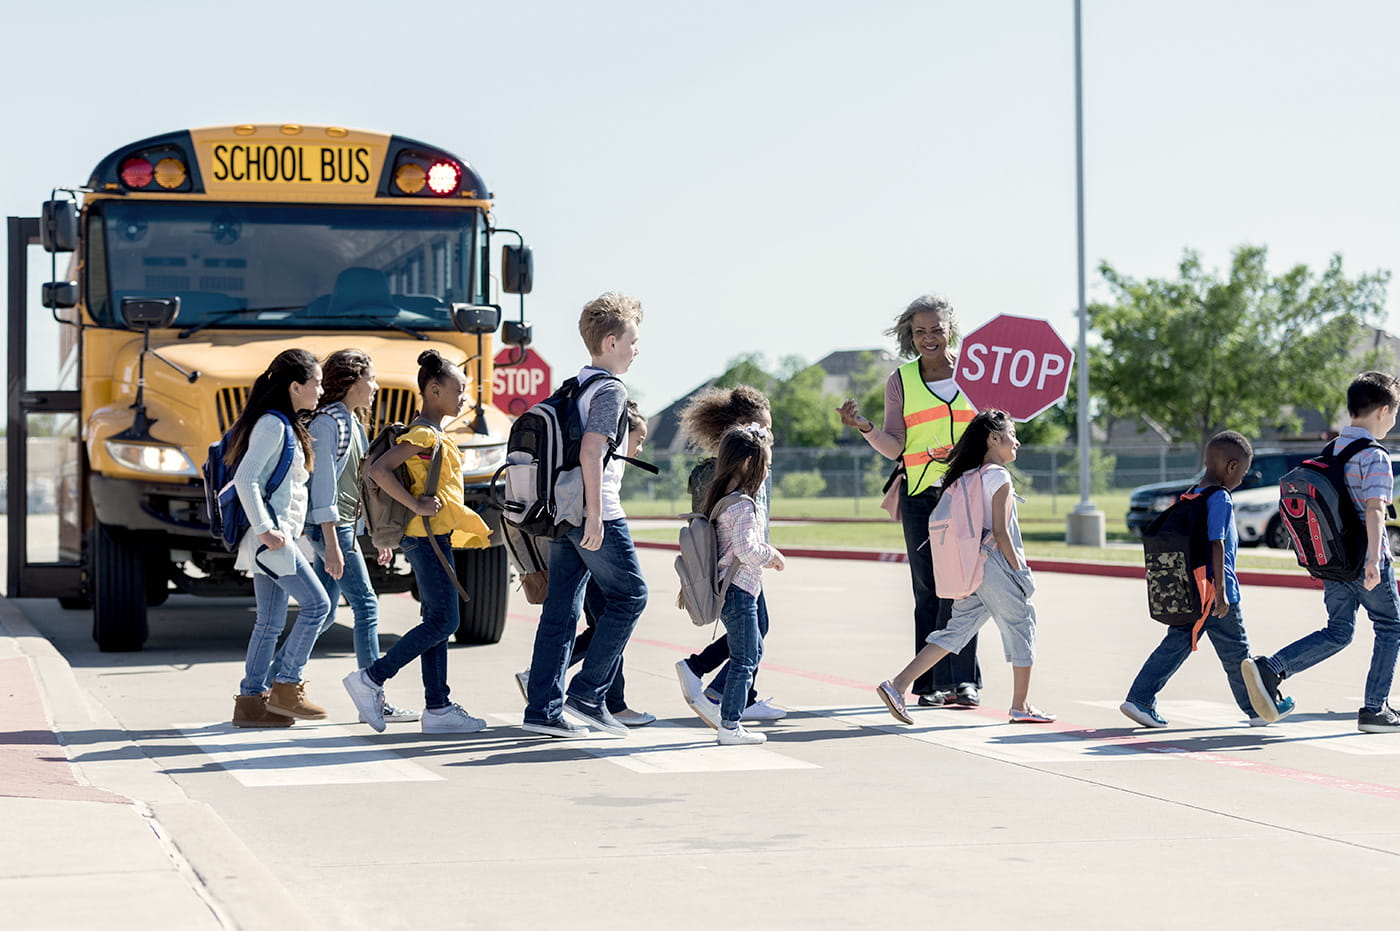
(970, 451)
(740, 463)
(270, 393)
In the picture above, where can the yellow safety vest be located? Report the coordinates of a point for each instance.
(931, 427)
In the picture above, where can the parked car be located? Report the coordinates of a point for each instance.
(1256, 500)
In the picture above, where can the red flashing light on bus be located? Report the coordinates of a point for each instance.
(137, 172)
(444, 177)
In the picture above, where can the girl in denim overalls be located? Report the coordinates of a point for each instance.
(988, 444)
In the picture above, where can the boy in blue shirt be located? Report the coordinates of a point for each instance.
(1227, 460)
(1372, 401)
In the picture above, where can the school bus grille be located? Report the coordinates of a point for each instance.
(390, 405)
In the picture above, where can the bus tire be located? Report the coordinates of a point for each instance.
(118, 590)
(485, 574)
(75, 603)
(157, 559)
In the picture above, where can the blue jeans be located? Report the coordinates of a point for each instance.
(1231, 646)
(1341, 600)
(272, 598)
(721, 681)
(931, 613)
(355, 584)
(615, 568)
(593, 602)
(438, 604)
(741, 626)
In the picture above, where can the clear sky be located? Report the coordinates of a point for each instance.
(780, 177)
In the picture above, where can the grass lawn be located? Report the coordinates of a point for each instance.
(1037, 508)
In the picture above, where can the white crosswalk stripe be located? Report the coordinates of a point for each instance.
(1335, 735)
(301, 755)
(673, 747)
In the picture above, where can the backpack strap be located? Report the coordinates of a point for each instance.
(1350, 450)
(430, 486)
(284, 461)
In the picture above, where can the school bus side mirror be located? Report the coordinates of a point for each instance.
(58, 226)
(148, 313)
(475, 319)
(58, 295)
(517, 269)
(517, 333)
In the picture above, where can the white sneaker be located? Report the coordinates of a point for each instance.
(396, 715)
(763, 710)
(368, 698)
(706, 711)
(451, 720)
(691, 686)
(522, 682)
(737, 736)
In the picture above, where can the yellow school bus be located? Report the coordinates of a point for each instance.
(195, 257)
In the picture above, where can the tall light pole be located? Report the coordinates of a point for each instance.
(1085, 526)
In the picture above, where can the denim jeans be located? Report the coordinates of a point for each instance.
(740, 619)
(931, 612)
(593, 602)
(1005, 597)
(438, 603)
(721, 681)
(272, 598)
(1341, 600)
(615, 568)
(354, 583)
(1231, 645)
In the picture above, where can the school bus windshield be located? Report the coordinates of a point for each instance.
(291, 266)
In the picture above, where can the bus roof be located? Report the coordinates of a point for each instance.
(290, 162)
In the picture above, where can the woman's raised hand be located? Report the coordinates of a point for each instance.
(850, 414)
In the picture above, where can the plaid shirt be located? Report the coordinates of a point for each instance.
(740, 532)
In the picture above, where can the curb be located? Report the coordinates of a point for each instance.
(1261, 577)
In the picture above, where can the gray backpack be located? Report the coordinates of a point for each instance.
(702, 590)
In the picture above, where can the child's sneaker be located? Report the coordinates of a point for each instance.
(522, 682)
(368, 698)
(692, 689)
(1147, 717)
(763, 710)
(396, 715)
(1385, 721)
(1262, 684)
(738, 736)
(634, 718)
(450, 720)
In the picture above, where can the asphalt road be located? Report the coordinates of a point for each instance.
(843, 820)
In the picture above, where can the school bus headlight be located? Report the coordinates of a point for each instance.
(410, 178)
(155, 458)
(170, 173)
(477, 459)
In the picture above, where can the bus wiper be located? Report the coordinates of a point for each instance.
(223, 315)
(388, 323)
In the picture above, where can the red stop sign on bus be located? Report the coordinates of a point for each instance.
(517, 388)
(1016, 364)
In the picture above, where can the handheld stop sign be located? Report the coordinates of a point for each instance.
(1016, 364)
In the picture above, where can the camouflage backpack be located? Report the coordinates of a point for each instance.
(1175, 545)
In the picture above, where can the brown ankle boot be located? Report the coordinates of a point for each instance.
(289, 698)
(251, 711)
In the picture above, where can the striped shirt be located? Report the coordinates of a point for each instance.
(1368, 475)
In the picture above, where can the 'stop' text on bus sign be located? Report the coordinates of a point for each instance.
(293, 164)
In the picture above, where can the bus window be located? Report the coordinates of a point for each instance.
(355, 266)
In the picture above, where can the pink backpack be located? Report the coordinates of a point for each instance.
(955, 531)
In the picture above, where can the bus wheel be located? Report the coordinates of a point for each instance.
(157, 559)
(75, 603)
(118, 590)
(485, 574)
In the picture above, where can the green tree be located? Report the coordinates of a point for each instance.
(748, 369)
(1200, 353)
(803, 415)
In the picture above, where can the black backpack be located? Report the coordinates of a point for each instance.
(542, 494)
(1177, 552)
(1328, 535)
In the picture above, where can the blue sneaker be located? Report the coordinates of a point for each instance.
(1262, 683)
(1147, 717)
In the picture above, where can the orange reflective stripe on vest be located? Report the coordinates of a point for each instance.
(931, 427)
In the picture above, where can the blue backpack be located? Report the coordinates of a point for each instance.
(228, 522)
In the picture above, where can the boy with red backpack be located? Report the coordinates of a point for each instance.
(996, 584)
(1227, 459)
(1372, 401)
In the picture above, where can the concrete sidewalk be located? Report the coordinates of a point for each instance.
(78, 855)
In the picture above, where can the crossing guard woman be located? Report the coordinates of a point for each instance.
(925, 414)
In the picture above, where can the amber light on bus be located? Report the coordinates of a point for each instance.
(170, 173)
(426, 174)
(410, 178)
